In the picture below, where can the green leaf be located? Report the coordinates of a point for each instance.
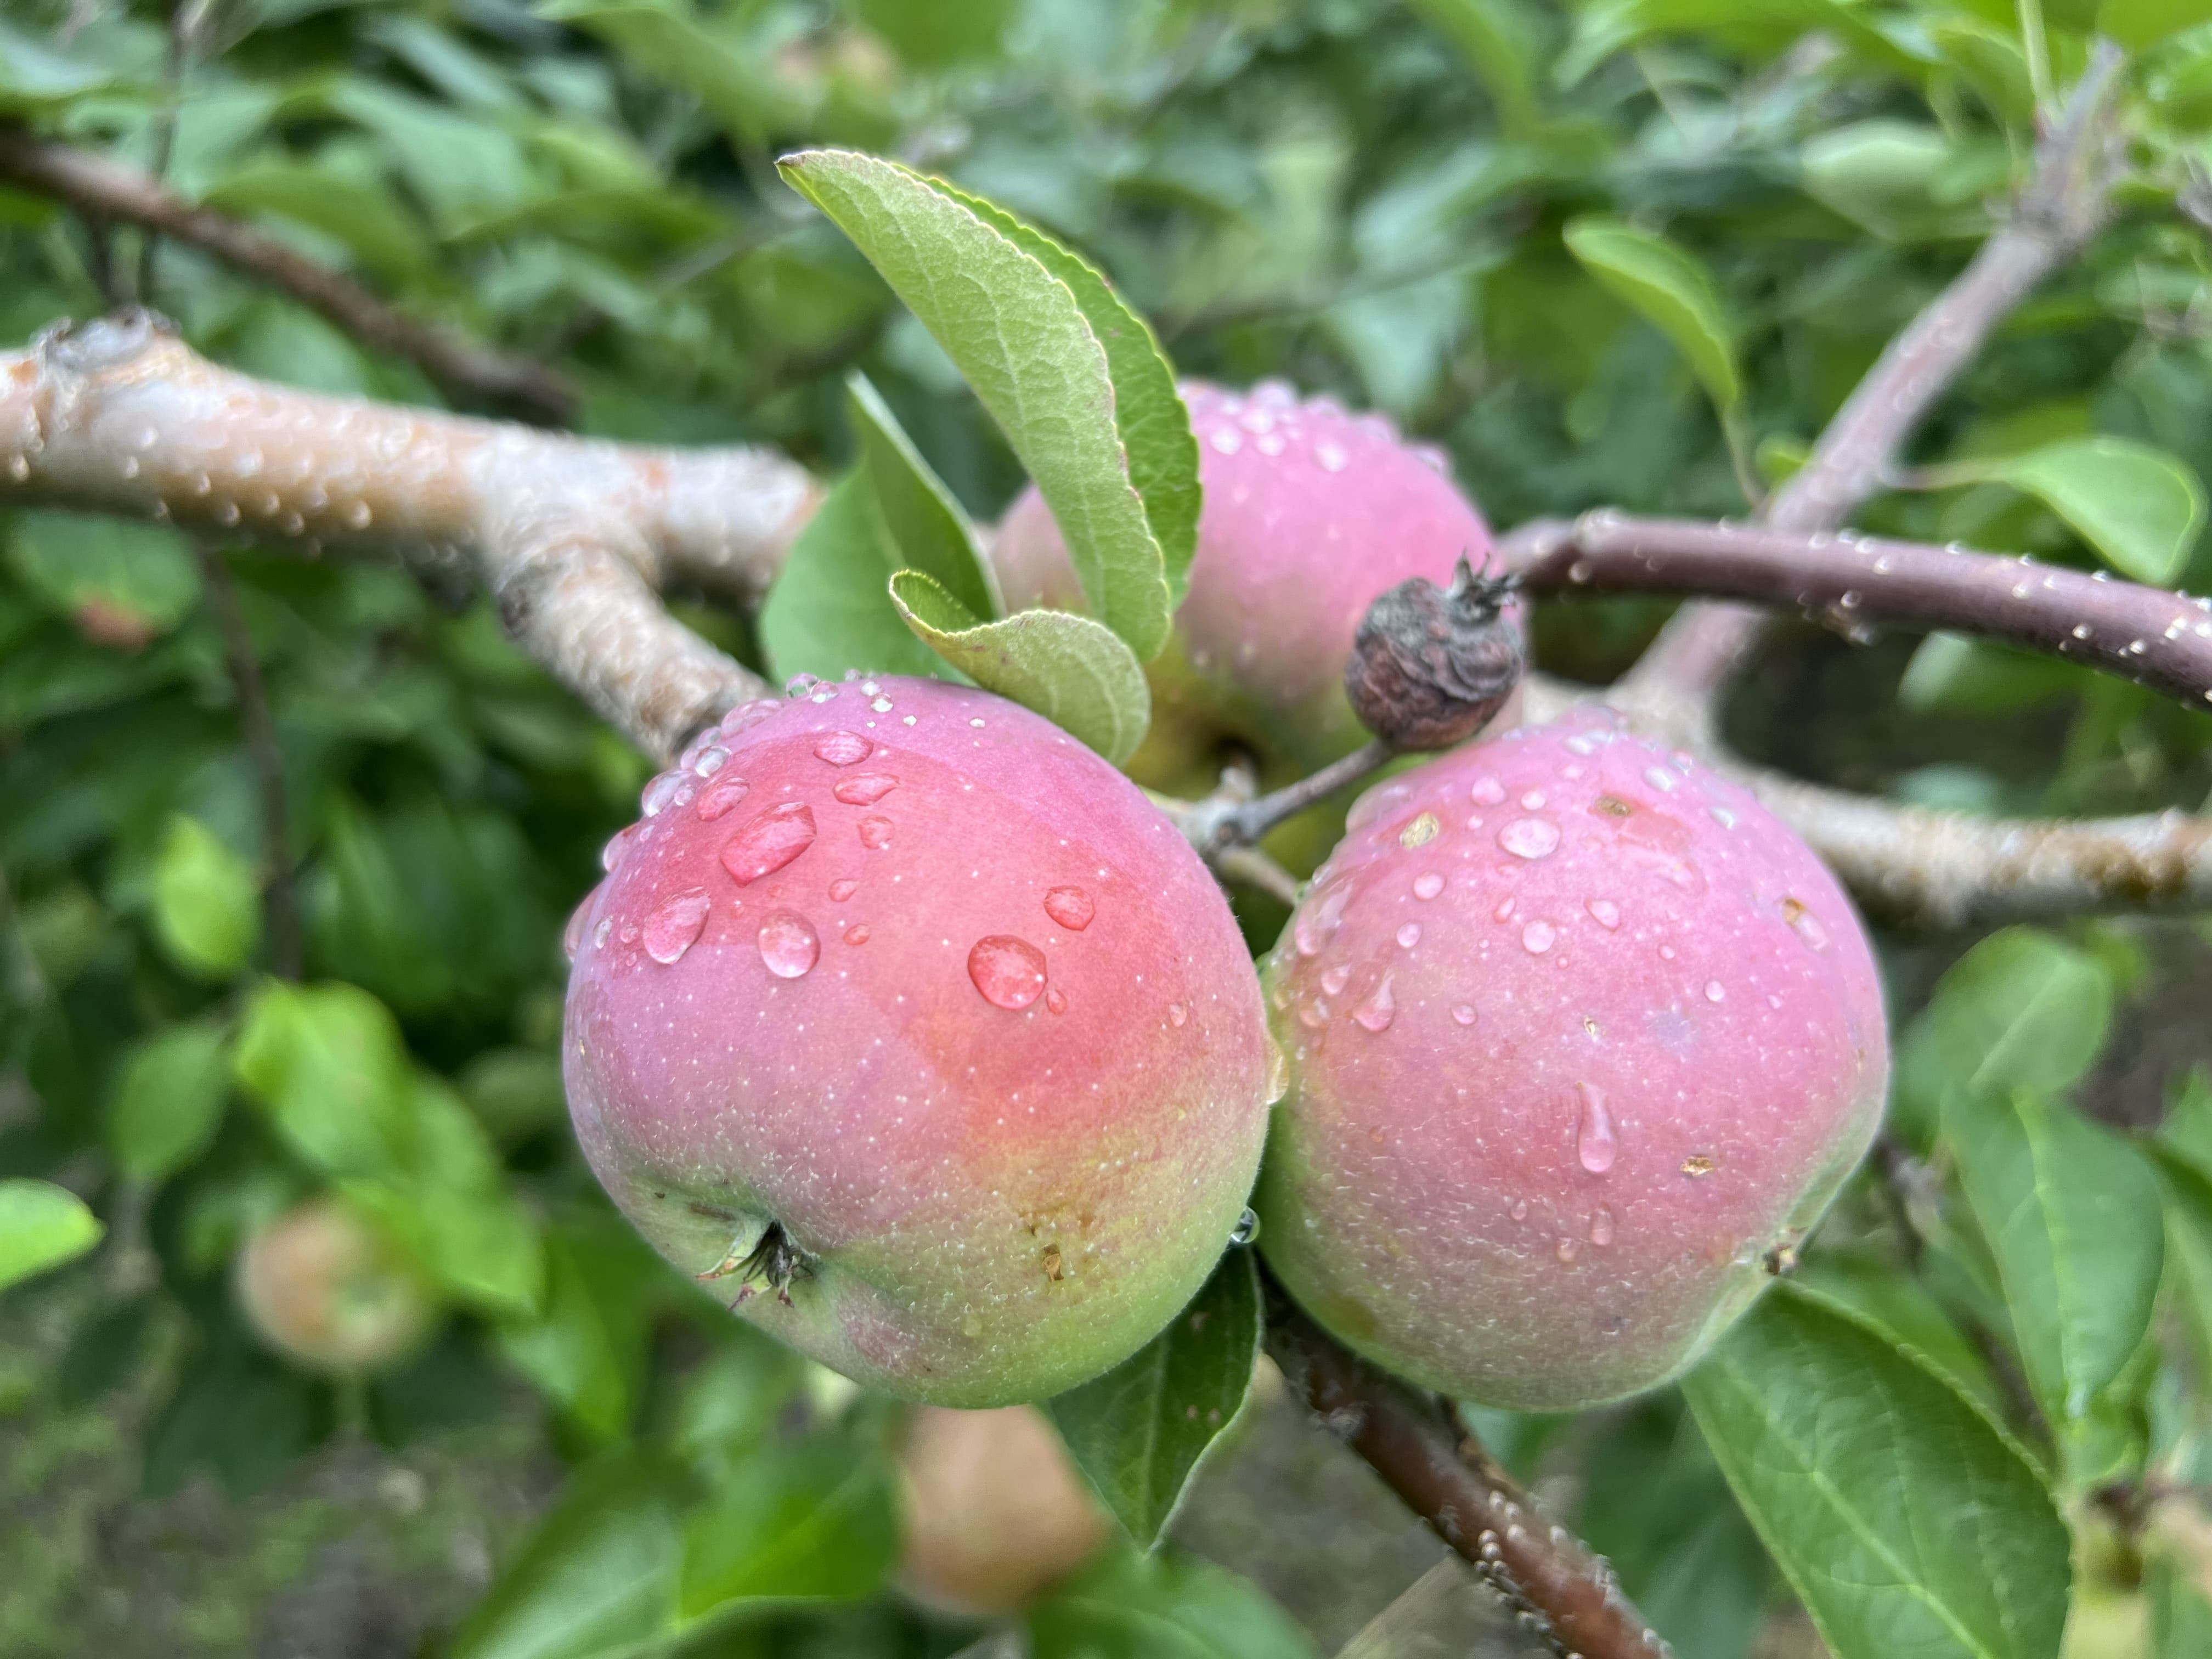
(1492, 37)
(364, 219)
(1148, 412)
(932, 534)
(2020, 1010)
(1068, 668)
(1139, 1433)
(813, 1519)
(831, 610)
(326, 1063)
(1668, 286)
(41, 1226)
(2139, 25)
(670, 42)
(122, 581)
(1127, 1605)
(598, 1576)
(2073, 1214)
(1905, 1520)
(2140, 507)
(169, 1103)
(937, 32)
(1021, 340)
(572, 1354)
(207, 909)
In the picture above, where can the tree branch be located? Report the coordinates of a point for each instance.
(2157, 638)
(2064, 206)
(107, 191)
(118, 415)
(1560, 1591)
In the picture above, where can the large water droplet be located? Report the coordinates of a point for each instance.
(1715, 990)
(1409, 935)
(711, 760)
(1314, 1015)
(865, 789)
(1539, 937)
(1601, 1227)
(723, 794)
(875, 833)
(670, 931)
(1529, 838)
(1568, 1249)
(1463, 1012)
(1071, 906)
(769, 842)
(1316, 925)
(1520, 1210)
(1428, 884)
(1594, 1143)
(659, 793)
(618, 844)
(1378, 1011)
(799, 685)
(843, 889)
(788, 943)
(1488, 792)
(1247, 1228)
(1660, 778)
(1008, 972)
(1604, 912)
(572, 936)
(841, 748)
(1333, 979)
(1177, 1014)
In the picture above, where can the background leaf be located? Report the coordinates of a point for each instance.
(1904, 1519)
(207, 907)
(830, 610)
(1130, 1606)
(1668, 288)
(928, 528)
(41, 1226)
(1068, 668)
(1139, 1433)
(169, 1103)
(2140, 507)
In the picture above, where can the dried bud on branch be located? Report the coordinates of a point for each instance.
(1429, 665)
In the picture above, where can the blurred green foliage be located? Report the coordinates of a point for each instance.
(1617, 253)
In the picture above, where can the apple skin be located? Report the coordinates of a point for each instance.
(1582, 1041)
(1309, 512)
(995, 1512)
(975, 1031)
(322, 1285)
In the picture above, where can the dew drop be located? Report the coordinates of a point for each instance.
(1488, 792)
(660, 794)
(1807, 924)
(1333, 979)
(875, 833)
(1520, 1210)
(1314, 1015)
(1071, 906)
(1715, 991)
(1601, 1227)
(572, 936)
(857, 933)
(712, 759)
(1594, 1143)
(1315, 926)
(865, 789)
(1604, 912)
(769, 842)
(1409, 935)
(1539, 937)
(1568, 1249)
(841, 748)
(1378, 1011)
(1504, 910)
(1008, 972)
(788, 943)
(799, 685)
(1428, 884)
(1247, 1228)
(1463, 1012)
(843, 889)
(723, 794)
(1660, 778)
(602, 934)
(672, 929)
(1529, 838)
(618, 844)
(1055, 1000)
(1177, 1014)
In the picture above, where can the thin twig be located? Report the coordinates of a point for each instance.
(2064, 204)
(2153, 637)
(1566, 1596)
(279, 898)
(1233, 817)
(106, 192)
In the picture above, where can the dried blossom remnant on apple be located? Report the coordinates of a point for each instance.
(1429, 665)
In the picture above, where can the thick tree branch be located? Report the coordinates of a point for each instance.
(107, 191)
(2157, 639)
(118, 415)
(1566, 1594)
(2063, 206)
